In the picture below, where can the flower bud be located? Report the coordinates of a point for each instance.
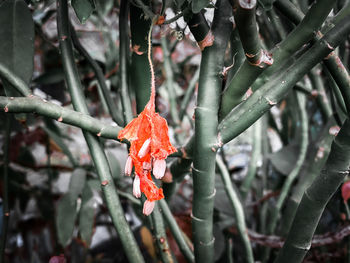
(159, 167)
(145, 148)
(148, 207)
(128, 166)
(136, 190)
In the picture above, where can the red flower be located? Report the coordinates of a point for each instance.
(150, 146)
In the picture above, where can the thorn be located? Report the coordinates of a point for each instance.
(104, 183)
(60, 119)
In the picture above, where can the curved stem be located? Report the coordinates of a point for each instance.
(295, 172)
(176, 231)
(256, 155)
(237, 209)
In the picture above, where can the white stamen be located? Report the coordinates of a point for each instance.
(136, 190)
(145, 148)
(159, 167)
(128, 166)
(148, 207)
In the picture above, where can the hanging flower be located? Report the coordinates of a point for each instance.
(150, 146)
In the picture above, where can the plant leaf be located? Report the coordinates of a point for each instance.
(83, 9)
(65, 219)
(77, 182)
(198, 5)
(67, 207)
(284, 160)
(17, 38)
(87, 215)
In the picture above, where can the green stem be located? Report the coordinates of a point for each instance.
(176, 231)
(198, 25)
(97, 153)
(237, 209)
(341, 77)
(317, 155)
(5, 190)
(42, 107)
(315, 199)
(206, 121)
(160, 235)
(295, 172)
(256, 156)
(170, 81)
(322, 100)
(244, 11)
(335, 89)
(123, 63)
(188, 94)
(100, 78)
(141, 79)
(237, 55)
(14, 80)
(229, 250)
(289, 10)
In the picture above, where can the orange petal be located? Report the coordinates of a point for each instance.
(151, 191)
(160, 145)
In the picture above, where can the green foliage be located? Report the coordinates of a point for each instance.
(83, 9)
(67, 207)
(17, 51)
(87, 214)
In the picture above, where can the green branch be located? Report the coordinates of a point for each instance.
(33, 104)
(206, 121)
(304, 137)
(176, 231)
(141, 79)
(316, 198)
(255, 157)
(124, 63)
(237, 209)
(170, 81)
(317, 154)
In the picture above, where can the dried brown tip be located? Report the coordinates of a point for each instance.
(136, 48)
(207, 41)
